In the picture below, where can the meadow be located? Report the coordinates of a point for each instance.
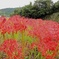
(28, 38)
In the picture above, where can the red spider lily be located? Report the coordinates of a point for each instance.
(2, 21)
(52, 45)
(49, 57)
(47, 33)
(18, 24)
(15, 19)
(46, 30)
(7, 27)
(53, 28)
(11, 48)
(44, 47)
(34, 25)
(33, 45)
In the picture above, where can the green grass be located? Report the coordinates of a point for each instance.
(54, 17)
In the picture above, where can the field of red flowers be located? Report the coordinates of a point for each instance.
(24, 38)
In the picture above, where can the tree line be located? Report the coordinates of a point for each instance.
(39, 9)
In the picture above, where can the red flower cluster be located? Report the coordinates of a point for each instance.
(48, 34)
(2, 21)
(46, 31)
(13, 24)
(12, 49)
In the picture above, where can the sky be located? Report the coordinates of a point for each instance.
(15, 3)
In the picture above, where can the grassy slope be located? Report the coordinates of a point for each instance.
(54, 16)
(6, 11)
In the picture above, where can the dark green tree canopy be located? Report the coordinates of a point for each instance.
(39, 9)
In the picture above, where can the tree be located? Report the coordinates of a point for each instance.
(56, 6)
(39, 9)
(16, 12)
(44, 4)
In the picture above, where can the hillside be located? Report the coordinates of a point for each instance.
(6, 11)
(54, 17)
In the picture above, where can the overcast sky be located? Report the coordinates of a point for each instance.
(15, 3)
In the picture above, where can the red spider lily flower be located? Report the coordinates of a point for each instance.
(53, 28)
(33, 45)
(52, 45)
(2, 21)
(34, 25)
(31, 22)
(15, 19)
(46, 30)
(18, 24)
(50, 57)
(7, 27)
(43, 47)
(11, 48)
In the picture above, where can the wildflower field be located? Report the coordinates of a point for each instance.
(26, 38)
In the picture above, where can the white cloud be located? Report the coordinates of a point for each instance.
(15, 3)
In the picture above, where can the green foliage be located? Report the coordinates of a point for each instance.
(56, 7)
(40, 9)
(16, 11)
(6, 11)
(54, 17)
